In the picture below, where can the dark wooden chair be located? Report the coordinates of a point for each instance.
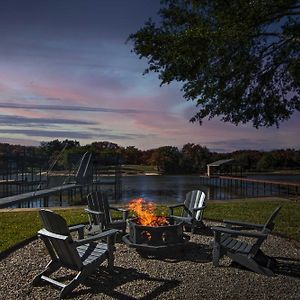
(191, 210)
(99, 212)
(228, 241)
(82, 255)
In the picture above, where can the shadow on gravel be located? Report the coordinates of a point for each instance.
(126, 284)
(205, 230)
(287, 266)
(195, 252)
(281, 266)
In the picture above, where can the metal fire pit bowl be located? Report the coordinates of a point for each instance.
(153, 238)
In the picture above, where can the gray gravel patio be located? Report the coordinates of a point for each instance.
(188, 275)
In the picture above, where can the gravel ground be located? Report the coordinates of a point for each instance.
(188, 275)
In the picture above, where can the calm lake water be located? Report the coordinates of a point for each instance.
(278, 177)
(160, 189)
(172, 189)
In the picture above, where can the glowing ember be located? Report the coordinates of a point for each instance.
(145, 213)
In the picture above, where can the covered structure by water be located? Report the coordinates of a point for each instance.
(223, 167)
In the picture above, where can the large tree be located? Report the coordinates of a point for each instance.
(237, 59)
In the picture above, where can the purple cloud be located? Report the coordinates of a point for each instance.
(18, 120)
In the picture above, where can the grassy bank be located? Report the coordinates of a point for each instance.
(138, 169)
(16, 226)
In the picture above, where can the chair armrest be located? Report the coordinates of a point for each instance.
(118, 209)
(76, 227)
(99, 236)
(124, 212)
(218, 229)
(171, 208)
(45, 232)
(175, 205)
(95, 217)
(93, 211)
(195, 210)
(191, 213)
(243, 224)
(199, 208)
(79, 228)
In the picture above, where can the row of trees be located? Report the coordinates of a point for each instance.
(191, 159)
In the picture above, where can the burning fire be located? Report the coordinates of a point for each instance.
(145, 213)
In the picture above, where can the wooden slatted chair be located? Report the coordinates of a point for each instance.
(99, 212)
(192, 210)
(82, 255)
(227, 241)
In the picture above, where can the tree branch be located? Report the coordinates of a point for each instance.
(279, 45)
(277, 34)
(280, 16)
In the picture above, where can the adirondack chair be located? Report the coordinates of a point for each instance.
(192, 210)
(82, 255)
(228, 241)
(99, 212)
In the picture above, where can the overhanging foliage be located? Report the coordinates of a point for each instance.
(236, 59)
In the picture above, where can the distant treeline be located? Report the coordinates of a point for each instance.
(191, 159)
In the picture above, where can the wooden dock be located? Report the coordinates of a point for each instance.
(43, 194)
(253, 187)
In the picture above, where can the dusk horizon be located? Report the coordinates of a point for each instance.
(68, 72)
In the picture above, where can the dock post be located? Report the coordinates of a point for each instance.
(60, 198)
(46, 201)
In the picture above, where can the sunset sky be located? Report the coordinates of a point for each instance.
(68, 73)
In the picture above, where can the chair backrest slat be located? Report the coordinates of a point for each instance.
(65, 250)
(268, 227)
(104, 205)
(270, 222)
(194, 199)
(93, 204)
(98, 201)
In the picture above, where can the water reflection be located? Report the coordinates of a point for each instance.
(172, 189)
(168, 189)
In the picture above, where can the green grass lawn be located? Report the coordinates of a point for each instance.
(139, 169)
(16, 226)
(20, 225)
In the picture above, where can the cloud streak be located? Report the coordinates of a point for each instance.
(98, 135)
(7, 120)
(72, 108)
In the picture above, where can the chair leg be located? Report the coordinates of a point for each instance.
(193, 226)
(51, 267)
(111, 249)
(124, 230)
(79, 278)
(110, 260)
(251, 264)
(216, 254)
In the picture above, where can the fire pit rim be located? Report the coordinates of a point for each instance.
(160, 226)
(150, 247)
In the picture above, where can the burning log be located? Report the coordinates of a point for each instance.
(145, 213)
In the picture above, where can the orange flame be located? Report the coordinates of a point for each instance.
(145, 213)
